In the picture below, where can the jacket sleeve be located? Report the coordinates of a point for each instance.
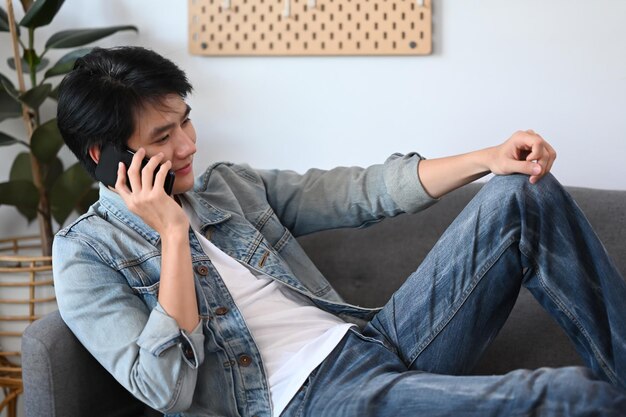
(346, 196)
(145, 350)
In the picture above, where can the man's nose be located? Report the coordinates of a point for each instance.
(186, 145)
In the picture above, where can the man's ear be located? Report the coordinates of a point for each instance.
(94, 153)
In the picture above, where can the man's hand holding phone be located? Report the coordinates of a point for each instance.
(110, 157)
(147, 197)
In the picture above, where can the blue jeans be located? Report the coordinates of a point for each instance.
(413, 358)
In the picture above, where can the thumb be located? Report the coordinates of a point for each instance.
(525, 167)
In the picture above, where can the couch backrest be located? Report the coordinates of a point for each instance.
(367, 265)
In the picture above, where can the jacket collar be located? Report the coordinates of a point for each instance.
(208, 214)
(114, 205)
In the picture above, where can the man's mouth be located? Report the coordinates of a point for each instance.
(184, 170)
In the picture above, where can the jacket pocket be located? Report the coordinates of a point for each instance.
(148, 294)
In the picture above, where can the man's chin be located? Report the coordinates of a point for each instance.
(182, 186)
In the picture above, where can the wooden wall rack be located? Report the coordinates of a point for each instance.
(309, 27)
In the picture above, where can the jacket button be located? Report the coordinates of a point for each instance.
(220, 311)
(245, 360)
(202, 270)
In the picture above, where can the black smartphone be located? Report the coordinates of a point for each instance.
(110, 157)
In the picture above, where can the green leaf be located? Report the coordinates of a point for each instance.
(21, 170)
(41, 13)
(46, 141)
(26, 4)
(68, 192)
(79, 37)
(51, 172)
(4, 21)
(34, 97)
(43, 63)
(8, 140)
(30, 55)
(8, 87)
(6, 81)
(21, 194)
(54, 94)
(66, 63)
(9, 108)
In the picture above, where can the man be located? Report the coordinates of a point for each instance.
(203, 303)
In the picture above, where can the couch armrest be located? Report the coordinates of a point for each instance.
(61, 379)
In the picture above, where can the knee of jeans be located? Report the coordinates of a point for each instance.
(546, 190)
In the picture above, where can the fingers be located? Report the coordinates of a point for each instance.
(147, 173)
(552, 158)
(120, 183)
(159, 179)
(535, 153)
(541, 153)
(140, 178)
(134, 176)
(530, 168)
(539, 157)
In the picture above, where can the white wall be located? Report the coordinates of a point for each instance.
(558, 67)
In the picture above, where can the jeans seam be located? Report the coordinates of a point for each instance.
(468, 291)
(556, 300)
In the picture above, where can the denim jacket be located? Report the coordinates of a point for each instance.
(107, 267)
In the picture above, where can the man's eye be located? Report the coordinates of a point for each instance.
(164, 138)
(187, 120)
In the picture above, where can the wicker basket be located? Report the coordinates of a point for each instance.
(26, 293)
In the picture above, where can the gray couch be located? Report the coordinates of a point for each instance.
(62, 380)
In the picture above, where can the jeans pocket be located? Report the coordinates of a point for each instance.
(382, 341)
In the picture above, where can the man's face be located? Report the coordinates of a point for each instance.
(165, 127)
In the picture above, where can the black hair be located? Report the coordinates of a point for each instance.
(100, 98)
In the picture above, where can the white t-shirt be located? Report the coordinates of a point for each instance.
(292, 334)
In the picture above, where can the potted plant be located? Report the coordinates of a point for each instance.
(39, 186)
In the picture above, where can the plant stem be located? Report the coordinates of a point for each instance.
(32, 66)
(43, 209)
